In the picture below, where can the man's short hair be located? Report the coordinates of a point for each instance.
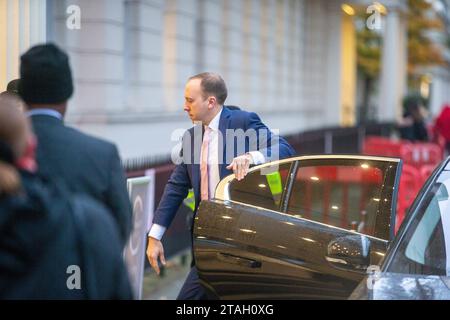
(12, 91)
(13, 86)
(212, 84)
(45, 75)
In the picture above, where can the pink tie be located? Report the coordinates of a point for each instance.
(204, 183)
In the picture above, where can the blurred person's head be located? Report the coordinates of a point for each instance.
(204, 96)
(15, 142)
(13, 98)
(45, 78)
(13, 86)
(413, 106)
(12, 92)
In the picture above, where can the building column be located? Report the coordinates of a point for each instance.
(143, 56)
(439, 95)
(394, 63)
(22, 25)
(348, 73)
(96, 53)
(332, 108)
(180, 49)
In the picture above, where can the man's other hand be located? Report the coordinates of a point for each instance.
(155, 250)
(240, 165)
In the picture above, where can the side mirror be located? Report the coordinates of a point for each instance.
(351, 253)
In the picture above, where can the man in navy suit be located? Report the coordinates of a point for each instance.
(223, 142)
(85, 164)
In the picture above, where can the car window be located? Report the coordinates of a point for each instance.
(262, 188)
(425, 248)
(344, 194)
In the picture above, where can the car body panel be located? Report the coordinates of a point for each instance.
(426, 189)
(405, 272)
(396, 286)
(245, 251)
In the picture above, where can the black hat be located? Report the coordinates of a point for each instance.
(45, 75)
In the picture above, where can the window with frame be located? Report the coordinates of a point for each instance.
(342, 195)
(262, 188)
(425, 248)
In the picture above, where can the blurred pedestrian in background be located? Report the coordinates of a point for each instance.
(12, 91)
(442, 126)
(412, 126)
(53, 245)
(13, 86)
(85, 164)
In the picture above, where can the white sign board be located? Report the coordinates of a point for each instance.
(141, 192)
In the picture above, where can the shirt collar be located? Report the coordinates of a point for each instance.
(45, 112)
(214, 124)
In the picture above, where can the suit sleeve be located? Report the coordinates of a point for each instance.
(272, 146)
(175, 192)
(117, 197)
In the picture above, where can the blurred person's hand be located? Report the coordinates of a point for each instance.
(424, 113)
(405, 121)
(9, 179)
(240, 165)
(155, 250)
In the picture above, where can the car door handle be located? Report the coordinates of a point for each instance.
(244, 262)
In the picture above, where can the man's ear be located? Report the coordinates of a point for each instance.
(212, 101)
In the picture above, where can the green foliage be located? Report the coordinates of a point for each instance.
(368, 48)
(422, 51)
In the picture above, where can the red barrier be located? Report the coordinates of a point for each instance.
(381, 146)
(420, 154)
(426, 171)
(408, 188)
(420, 159)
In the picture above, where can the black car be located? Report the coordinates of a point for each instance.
(313, 227)
(417, 265)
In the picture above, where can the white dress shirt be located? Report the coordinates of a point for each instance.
(156, 230)
(213, 155)
(44, 112)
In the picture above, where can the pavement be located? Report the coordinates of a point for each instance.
(167, 285)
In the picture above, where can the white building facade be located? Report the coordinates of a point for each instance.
(284, 59)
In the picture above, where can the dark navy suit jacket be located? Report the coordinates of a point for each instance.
(86, 165)
(187, 174)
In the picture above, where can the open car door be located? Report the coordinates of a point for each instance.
(299, 228)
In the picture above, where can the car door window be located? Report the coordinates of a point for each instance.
(345, 194)
(425, 249)
(262, 188)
